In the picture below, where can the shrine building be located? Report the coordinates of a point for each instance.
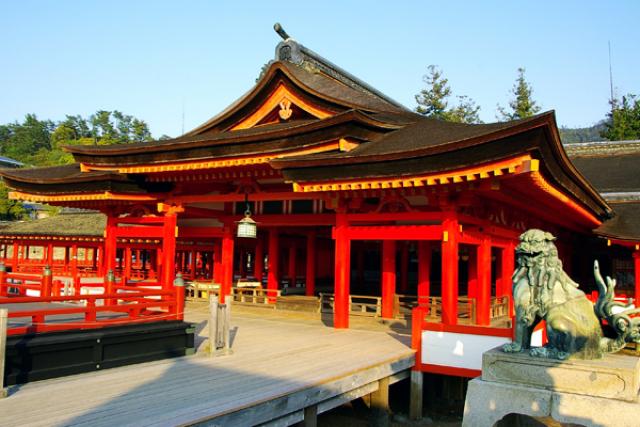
(353, 194)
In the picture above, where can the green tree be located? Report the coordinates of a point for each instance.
(10, 209)
(140, 131)
(433, 100)
(623, 121)
(522, 105)
(22, 140)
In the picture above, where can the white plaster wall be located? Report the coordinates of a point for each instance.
(457, 350)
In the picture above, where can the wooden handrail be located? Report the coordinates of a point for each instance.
(136, 306)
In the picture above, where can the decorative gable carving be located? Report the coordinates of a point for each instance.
(281, 105)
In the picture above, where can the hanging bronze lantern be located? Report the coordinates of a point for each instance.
(247, 227)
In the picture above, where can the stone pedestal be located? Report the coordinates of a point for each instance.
(600, 392)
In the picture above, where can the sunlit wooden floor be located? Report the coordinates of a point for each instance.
(272, 357)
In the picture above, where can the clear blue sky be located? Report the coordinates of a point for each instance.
(149, 58)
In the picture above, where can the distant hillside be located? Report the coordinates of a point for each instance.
(576, 135)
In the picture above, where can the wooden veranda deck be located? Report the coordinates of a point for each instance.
(278, 367)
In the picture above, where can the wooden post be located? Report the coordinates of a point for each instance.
(14, 261)
(636, 266)
(217, 262)
(258, 263)
(483, 293)
(109, 262)
(506, 272)
(74, 268)
(127, 265)
(472, 276)
(4, 324)
(109, 283)
(380, 404)
(193, 264)
(415, 398)
(45, 291)
(388, 278)
(3, 282)
(101, 263)
(342, 272)
(424, 272)
(450, 271)
(310, 276)
(273, 264)
(178, 285)
(227, 326)
(293, 250)
(169, 232)
(227, 263)
(213, 323)
(310, 416)
(49, 260)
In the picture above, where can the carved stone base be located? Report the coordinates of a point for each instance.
(583, 392)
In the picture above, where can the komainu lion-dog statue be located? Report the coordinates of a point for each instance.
(543, 291)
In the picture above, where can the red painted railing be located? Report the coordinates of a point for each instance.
(118, 303)
(87, 312)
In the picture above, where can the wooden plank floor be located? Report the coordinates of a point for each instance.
(271, 358)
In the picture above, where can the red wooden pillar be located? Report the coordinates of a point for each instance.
(109, 262)
(273, 280)
(14, 260)
(472, 282)
(450, 271)
(293, 250)
(342, 272)
(127, 265)
(483, 292)
(74, 268)
(67, 259)
(47, 283)
(227, 262)
(193, 267)
(310, 276)
(507, 266)
(258, 265)
(424, 272)
(217, 261)
(404, 267)
(388, 278)
(169, 232)
(49, 260)
(636, 266)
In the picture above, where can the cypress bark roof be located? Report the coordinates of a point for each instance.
(613, 169)
(76, 224)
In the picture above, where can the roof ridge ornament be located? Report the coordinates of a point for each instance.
(281, 32)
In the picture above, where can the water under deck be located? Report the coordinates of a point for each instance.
(280, 365)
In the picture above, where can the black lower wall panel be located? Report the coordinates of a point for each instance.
(50, 355)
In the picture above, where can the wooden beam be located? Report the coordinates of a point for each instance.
(239, 197)
(150, 232)
(395, 232)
